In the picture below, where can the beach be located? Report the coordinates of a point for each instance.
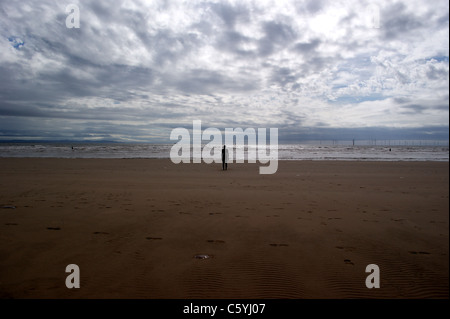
(137, 228)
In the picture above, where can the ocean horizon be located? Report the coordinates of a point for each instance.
(331, 150)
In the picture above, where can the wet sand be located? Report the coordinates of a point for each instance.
(135, 226)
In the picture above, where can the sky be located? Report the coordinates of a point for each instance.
(135, 70)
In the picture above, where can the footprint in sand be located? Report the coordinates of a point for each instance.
(419, 252)
(346, 248)
(8, 207)
(203, 256)
(153, 238)
(216, 241)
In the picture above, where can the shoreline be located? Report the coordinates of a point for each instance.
(285, 152)
(307, 231)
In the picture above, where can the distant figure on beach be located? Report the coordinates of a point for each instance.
(224, 158)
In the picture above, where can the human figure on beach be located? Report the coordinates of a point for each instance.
(224, 158)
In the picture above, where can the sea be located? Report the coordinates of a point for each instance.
(306, 151)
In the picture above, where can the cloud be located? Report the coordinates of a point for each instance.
(314, 6)
(139, 68)
(277, 35)
(230, 14)
(307, 48)
(398, 22)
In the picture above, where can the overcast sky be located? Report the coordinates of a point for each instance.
(136, 69)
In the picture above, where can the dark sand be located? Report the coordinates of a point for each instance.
(309, 231)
